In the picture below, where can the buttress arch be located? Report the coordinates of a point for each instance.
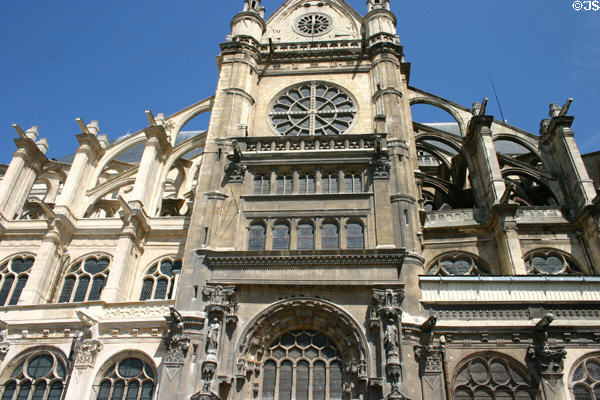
(309, 313)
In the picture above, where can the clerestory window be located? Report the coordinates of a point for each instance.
(160, 280)
(13, 277)
(127, 379)
(85, 280)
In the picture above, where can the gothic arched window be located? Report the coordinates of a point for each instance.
(256, 236)
(129, 378)
(312, 355)
(355, 236)
(13, 277)
(458, 264)
(313, 108)
(585, 380)
(550, 262)
(306, 236)
(40, 376)
(160, 280)
(85, 280)
(490, 376)
(281, 236)
(330, 237)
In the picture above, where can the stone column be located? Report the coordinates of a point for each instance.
(380, 175)
(431, 360)
(27, 163)
(123, 266)
(385, 316)
(50, 262)
(221, 316)
(548, 361)
(504, 226)
(91, 149)
(485, 169)
(147, 192)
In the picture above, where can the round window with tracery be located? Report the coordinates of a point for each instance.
(313, 24)
(313, 108)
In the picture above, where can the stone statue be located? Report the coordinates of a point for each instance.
(390, 339)
(212, 339)
(91, 331)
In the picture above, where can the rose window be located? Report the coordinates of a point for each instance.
(313, 24)
(313, 108)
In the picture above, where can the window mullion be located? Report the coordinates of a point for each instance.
(313, 107)
(310, 381)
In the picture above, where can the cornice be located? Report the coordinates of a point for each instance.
(379, 257)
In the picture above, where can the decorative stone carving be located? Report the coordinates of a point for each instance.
(430, 359)
(549, 359)
(87, 352)
(176, 343)
(235, 169)
(380, 165)
(220, 304)
(385, 313)
(4, 348)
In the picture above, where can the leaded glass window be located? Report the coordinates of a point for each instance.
(306, 236)
(256, 237)
(284, 184)
(313, 108)
(127, 379)
(585, 380)
(493, 377)
(355, 236)
(353, 182)
(310, 354)
(281, 236)
(40, 377)
(329, 183)
(458, 264)
(262, 184)
(313, 24)
(550, 262)
(330, 238)
(306, 184)
(85, 280)
(13, 278)
(161, 279)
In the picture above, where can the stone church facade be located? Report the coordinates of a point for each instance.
(315, 243)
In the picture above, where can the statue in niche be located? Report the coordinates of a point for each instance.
(390, 339)
(212, 339)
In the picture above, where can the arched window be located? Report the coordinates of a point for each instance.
(256, 237)
(585, 380)
(130, 378)
(355, 237)
(40, 376)
(281, 236)
(160, 280)
(330, 236)
(306, 184)
(458, 264)
(284, 184)
(329, 183)
(490, 376)
(550, 262)
(13, 277)
(85, 280)
(353, 182)
(310, 354)
(306, 236)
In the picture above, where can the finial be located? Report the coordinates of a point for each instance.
(378, 4)
(254, 6)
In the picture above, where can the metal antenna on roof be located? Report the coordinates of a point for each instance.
(497, 99)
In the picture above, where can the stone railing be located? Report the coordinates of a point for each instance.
(303, 143)
(539, 212)
(463, 216)
(315, 47)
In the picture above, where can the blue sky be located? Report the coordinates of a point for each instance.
(113, 59)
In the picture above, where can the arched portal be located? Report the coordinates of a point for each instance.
(318, 333)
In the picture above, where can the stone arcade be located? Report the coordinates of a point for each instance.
(313, 244)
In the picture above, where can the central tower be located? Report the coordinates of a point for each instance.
(305, 218)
